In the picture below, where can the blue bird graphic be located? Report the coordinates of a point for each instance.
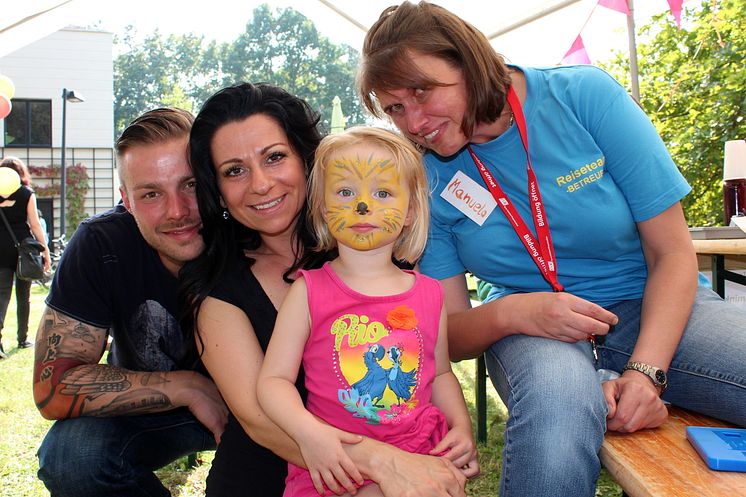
(374, 381)
(400, 382)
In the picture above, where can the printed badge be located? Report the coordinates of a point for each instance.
(468, 196)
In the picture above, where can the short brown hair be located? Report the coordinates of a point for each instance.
(408, 162)
(429, 29)
(18, 166)
(155, 126)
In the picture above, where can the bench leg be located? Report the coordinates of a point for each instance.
(481, 395)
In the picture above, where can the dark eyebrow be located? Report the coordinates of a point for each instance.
(261, 152)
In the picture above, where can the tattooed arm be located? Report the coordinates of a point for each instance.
(69, 381)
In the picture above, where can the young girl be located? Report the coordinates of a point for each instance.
(371, 337)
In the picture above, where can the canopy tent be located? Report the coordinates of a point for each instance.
(530, 32)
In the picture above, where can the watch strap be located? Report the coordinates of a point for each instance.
(656, 375)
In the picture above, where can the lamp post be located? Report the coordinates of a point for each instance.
(73, 97)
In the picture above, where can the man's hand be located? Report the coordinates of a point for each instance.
(634, 403)
(203, 399)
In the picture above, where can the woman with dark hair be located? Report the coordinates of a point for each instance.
(22, 214)
(251, 150)
(552, 185)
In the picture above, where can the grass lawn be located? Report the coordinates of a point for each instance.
(22, 428)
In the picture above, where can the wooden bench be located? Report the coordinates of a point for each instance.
(662, 463)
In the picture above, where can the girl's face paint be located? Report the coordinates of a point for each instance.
(365, 201)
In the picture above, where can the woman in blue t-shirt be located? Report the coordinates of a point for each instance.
(585, 244)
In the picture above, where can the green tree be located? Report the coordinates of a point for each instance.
(153, 72)
(692, 85)
(286, 49)
(281, 47)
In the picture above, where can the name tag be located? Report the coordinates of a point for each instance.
(468, 196)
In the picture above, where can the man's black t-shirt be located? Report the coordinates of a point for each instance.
(109, 277)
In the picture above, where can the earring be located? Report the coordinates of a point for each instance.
(225, 214)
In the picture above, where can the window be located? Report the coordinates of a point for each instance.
(29, 124)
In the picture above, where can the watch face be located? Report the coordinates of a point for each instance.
(660, 376)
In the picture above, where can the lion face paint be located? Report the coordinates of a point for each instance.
(366, 203)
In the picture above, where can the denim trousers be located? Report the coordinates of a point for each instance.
(92, 456)
(23, 301)
(557, 412)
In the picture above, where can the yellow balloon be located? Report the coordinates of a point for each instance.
(9, 182)
(7, 87)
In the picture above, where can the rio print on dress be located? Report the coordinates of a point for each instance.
(378, 384)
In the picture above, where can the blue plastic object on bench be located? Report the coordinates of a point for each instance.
(723, 449)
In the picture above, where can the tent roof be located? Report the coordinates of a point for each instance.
(531, 32)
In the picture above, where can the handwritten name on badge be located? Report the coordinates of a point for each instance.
(468, 196)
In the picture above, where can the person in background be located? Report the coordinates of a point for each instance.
(552, 185)
(251, 148)
(23, 216)
(393, 382)
(149, 403)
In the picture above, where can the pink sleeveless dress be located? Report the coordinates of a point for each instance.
(369, 364)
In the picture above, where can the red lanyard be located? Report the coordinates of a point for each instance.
(541, 250)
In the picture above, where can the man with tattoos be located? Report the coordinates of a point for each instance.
(147, 405)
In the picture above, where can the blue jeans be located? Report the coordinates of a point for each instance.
(557, 412)
(116, 456)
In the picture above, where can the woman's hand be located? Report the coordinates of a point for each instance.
(561, 316)
(458, 446)
(47, 259)
(634, 403)
(415, 475)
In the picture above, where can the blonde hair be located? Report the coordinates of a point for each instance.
(408, 162)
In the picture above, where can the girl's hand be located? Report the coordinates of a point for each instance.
(327, 462)
(458, 446)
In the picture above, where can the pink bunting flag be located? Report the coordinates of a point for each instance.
(675, 6)
(577, 53)
(618, 5)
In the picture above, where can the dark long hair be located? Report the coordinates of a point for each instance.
(227, 239)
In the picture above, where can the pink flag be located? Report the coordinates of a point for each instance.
(577, 53)
(618, 5)
(675, 6)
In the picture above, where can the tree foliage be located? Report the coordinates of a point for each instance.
(693, 87)
(282, 47)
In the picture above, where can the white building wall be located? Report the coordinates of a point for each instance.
(76, 59)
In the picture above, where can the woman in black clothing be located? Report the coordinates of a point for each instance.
(20, 210)
(251, 149)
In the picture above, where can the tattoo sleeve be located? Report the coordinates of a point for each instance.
(70, 382)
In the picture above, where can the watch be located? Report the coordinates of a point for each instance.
(656, 375)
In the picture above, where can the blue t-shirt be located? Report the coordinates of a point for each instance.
(601, 168)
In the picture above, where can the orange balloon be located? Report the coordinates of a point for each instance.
(5, 106)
